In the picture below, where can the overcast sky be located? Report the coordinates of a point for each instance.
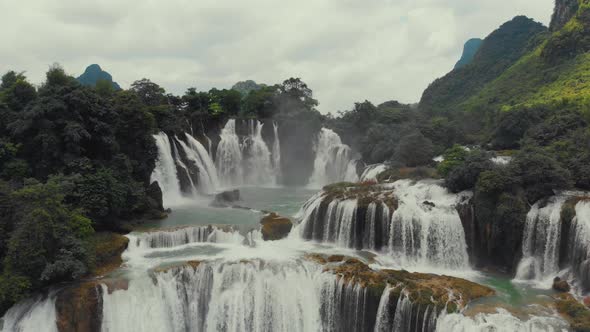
(345, 50)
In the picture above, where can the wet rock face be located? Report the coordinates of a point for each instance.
(226, 198)
(561, 285)
(275, 227)
(79, 307)
(564, 11)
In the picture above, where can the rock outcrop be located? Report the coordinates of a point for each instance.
(564, 11)
(275, 227)
(226, 198)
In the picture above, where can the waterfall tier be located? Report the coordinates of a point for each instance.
(334, 161)
(247, 160)
(371, 172)
(185, 235)
(541, 241)
(183, 169)
(417, 223)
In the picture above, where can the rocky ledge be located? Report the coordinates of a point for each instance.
(442, 292)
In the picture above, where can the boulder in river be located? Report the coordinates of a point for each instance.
(275, 227)
(226, 198)
(561, 285)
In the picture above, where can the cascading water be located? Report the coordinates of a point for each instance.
(333, 161)
(402, 315)
(195, 151)
(276, 152)
(183, 171)
(165, 172)
(424, 229)
(229, 156)
(246, 296)
(500, 321)
(30, 315)
(182, 236)
(579, 245)
(372, 171)
(541, 241)
(258, 165)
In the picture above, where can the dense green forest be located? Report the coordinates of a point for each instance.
(76, 159)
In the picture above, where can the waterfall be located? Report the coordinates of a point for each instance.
(258, 165)
(185, 172)
(372, 171)
(229, 156)
(209, 145)
(541, 241)
(165, 172)
(579, 245)
(500, 321)
(424, 230)
(333, 161)
(246, 296)
(251, 162)
(402, 315)
(185, 235)
(276, 152)
(30, 315)
(196, 152)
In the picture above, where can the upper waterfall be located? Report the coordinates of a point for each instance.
(165, 172)
(258, 164)
(229, 156)
(248, 160)
(334, 160)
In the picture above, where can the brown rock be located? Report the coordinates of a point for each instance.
(561, 285)
(275, 227)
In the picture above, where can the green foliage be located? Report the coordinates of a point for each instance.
(540, 174)
(500, 50)
(13, 288)
(464, 175)
(414, 150)
(453, 157)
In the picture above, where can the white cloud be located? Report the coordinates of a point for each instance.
(346, 50)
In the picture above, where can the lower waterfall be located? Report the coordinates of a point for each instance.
(247, 296)
(500, 321)
(29, 315)
(579, 245)
(541, 241)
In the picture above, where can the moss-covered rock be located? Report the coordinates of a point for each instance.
(108, 248)
(423, 289)
(577, 314)
(365, 193)
(275, 227)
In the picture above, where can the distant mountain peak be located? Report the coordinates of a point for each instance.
(469, 50)
(93, 74)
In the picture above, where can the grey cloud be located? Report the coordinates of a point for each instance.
(346, 50)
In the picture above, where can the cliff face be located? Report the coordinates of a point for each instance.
(564, 11)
